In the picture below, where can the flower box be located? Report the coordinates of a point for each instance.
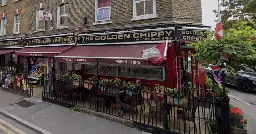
(238, 131)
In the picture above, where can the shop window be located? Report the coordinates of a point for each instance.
(3, 26)
(147, 73)
(151, 73)
(103, 10)
(4, 2)
(62, 15)
(144, 9)
(90, 69)
(105, 70)
(124, 71)
(16, 25)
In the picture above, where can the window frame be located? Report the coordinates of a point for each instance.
(3, 26)
(145, 16)
(38, 22)
(59, 15)
(15, 23)
(4, 2)
(97, 10)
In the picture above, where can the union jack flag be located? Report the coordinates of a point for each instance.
(216, 74)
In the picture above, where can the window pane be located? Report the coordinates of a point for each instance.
(63, 21)
(140, 8)
(149, 7)
(103, 14)
(91, 69)
(62, 10)
(103, 3)
(41, 24)
(124, 71)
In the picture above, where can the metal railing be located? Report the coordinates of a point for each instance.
(146, 106)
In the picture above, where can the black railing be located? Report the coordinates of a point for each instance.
(145, 106)
(13, 81)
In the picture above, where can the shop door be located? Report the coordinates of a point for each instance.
(187, 70)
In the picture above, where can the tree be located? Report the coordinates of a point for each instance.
(238, 42)
(234, 10)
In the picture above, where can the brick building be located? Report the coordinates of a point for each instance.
(14, 18)
(110, 13)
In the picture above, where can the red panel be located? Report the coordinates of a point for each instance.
(103, 3)
(7, 51)
(171, 70)
(42, 51)
(107, 52)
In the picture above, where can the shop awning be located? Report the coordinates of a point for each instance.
(49, 51)
(6, 51)
(107, 52)
(118, 54)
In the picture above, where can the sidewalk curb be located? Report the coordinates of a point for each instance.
(24, 122)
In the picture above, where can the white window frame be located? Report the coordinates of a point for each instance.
(63, 15)
(96, 13)
(146, 16)
(3, 26)
(4, 2)
(37, 22)
(16, 30)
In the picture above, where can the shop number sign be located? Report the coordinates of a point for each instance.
(134, 62)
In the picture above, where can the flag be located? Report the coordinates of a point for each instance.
(43, 15)
(216, 74)
(156, 55)
(219, 28)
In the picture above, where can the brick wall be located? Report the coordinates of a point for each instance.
(121, 13)
(187, 10)
(9, 10)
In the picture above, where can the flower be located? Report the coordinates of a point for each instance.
(236, 111)
(242, 121)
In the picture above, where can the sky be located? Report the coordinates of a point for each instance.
(207, 9)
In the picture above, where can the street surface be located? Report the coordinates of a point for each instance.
(247, 102)
(8, 126)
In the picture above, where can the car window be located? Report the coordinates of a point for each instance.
(246, 68)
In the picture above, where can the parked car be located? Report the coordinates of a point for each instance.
(244, 79)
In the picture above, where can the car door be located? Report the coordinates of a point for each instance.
(230, 78)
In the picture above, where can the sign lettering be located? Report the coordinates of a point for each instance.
(128, 37)
(134, 62)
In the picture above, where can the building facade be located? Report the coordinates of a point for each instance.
(97, 14)
(14, 18)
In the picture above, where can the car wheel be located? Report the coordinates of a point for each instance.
(243, 86)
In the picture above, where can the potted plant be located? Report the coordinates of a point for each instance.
(238, 123)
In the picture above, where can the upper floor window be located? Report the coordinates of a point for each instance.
(62, 15)
(40, 23)
(16, 22)
(4, 2)
(103, 10)
(144, 9)
(3, 25)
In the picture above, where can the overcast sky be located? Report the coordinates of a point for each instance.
(208, 16)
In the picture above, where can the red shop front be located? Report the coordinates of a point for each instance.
(119, 54)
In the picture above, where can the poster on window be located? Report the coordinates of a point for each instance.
(43, 15)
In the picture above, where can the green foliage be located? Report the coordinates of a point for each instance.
(237, 41)
(239, 9)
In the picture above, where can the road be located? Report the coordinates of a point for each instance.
(8, 126)
(247, 102)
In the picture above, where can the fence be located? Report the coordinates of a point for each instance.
(157, 108)
(13, 81)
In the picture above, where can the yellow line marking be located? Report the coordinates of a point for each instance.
(6, 130)
(12, 127)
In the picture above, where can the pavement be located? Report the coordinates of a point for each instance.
(31, 115)
(247, 102)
